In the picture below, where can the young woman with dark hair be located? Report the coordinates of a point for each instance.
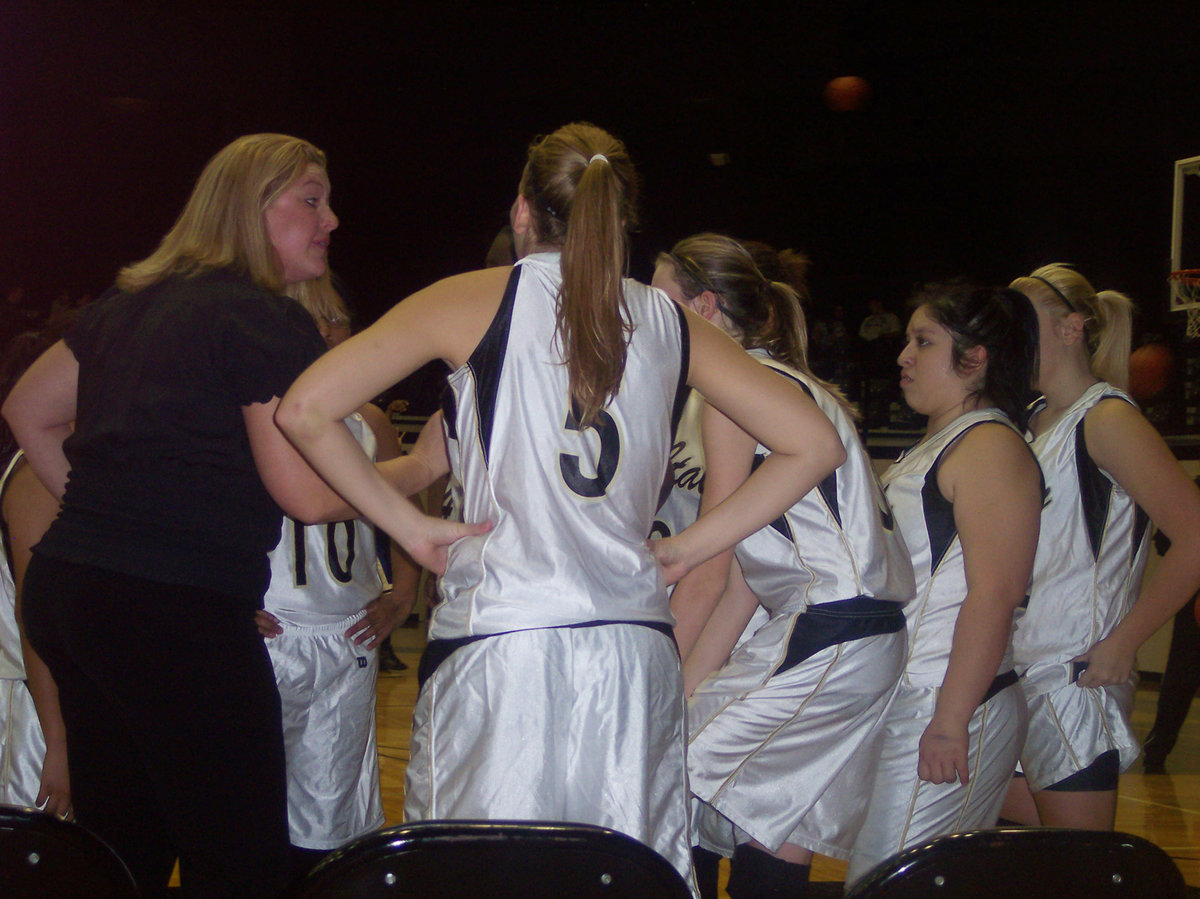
(967, 499)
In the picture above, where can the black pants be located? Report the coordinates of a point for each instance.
(174, 736)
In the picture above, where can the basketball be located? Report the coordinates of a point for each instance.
(847, 93)
(1150, 370)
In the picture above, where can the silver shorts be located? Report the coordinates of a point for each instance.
(1071, 726)
(905, 810)
(788, 758)
(327, 687)
(557, 724)
(22, 747)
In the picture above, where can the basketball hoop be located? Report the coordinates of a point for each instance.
(1185, 288)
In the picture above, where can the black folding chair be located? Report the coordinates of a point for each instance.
(43, 857)
(1026, 863)
(474, 859)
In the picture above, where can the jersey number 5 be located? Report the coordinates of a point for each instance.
(606, 466)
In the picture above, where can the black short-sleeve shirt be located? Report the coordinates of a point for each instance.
(162, 482)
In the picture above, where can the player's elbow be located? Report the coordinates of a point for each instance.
(297, 419)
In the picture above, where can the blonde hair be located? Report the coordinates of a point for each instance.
(582, 193)
(222, 224)
(1107, 317)
(321, 299)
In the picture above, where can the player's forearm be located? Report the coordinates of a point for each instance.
(773, 488)
(981, 636)
(44, 692)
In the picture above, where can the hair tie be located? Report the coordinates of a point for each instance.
(599, 156)
(1058, 293)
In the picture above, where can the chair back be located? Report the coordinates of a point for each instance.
(1028, 863)
(44, 857)
(473, 859)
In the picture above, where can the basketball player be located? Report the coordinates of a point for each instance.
(1107, 470)
(551, 686)
(325, 613)
(967, 499)
(33, 743)
(783, 736)
(33, 767)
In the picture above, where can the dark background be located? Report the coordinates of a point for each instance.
(997, 137)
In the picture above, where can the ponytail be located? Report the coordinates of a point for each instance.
(765, 314)
(1107, 317)
(582, 193)
(1113, 339)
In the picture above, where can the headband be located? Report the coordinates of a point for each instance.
(1058, 293)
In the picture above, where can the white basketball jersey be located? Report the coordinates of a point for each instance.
(926, 519)
(321, 573)
(570, 508)
(1092, 552)
(12, 665)
(681, 507)
(839, 540)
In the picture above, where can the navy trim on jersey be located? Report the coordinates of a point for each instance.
(829, 485)
(1095, 492)
(682, 390)
(831, 623)
(487, 363)
(939, 511)
(999, 682)
(781, 523)
(450, 412)
(437, 651)
(939, 515)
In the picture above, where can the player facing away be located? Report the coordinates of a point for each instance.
(551, 685)
(967, 499)
(1109, 473)
(784, 733)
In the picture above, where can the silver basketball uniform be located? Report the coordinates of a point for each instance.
(838, 541)
(22, 746)
(681, 503)
(903, 809)
(1086, 576)
(784, 736)
(570, 507)
(563, 582)
(322, 577)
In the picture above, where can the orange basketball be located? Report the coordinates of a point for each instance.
(1150, 370)
(847, 93)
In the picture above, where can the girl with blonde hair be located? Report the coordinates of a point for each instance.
(1110, 474)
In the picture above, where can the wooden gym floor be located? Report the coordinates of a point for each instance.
(1162, 808)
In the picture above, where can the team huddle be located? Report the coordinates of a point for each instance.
(675, 599)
